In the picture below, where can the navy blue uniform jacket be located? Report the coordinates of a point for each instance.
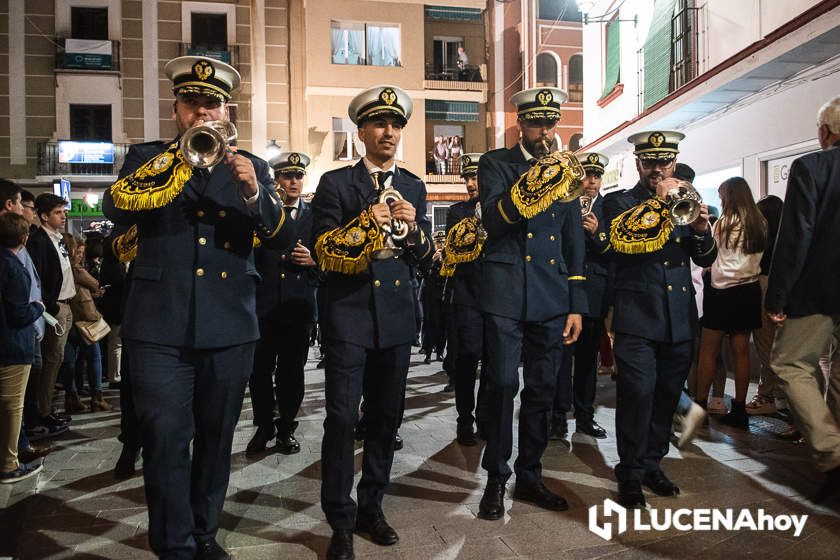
(805, 272)
(598, 267)
(286, 294)
(374, 309)
(194, 281)
(654, 295)
(466, 283)
(527, 264)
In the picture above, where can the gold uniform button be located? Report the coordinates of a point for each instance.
(666, 263)
(282, 275)
(551, 237)
(223, 275)
(530, 235)
(670, 287)
(396, 282)
(682, 263)
(282, 257)
(200, 213)
(678, 240)
(202, 241)
(552, 261)
(199, 272)
(528, 258)
(222, 213)
(553, 215)
(685, 289)
(377, 283)
(227, 244)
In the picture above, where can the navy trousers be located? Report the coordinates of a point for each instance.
(650, 379)
(577, 378)
(384, 391)
(505, 341)
(469, 339)
(184, 395)
(282, 351)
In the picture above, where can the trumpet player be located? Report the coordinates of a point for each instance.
(655, 315)
(286, 311)
(578, 387)
(532, 295)
(370, 311)
(190, 323)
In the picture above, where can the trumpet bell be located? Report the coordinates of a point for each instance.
(397, 230)
(205, 146)
(683, 204)
(585, 204)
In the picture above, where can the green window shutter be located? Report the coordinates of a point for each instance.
(657, 53)
(612, 73)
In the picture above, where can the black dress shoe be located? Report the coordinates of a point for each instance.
(378, 529)
(287, 444)
(466, 436)
(31, 453)
(830, 489)
(630, 494)
(125, 464)
(322, 363)
(492, 505)
(559, 429)
(428, 359)
(449, 388)
(659, 483)
(260, 440)
(341, 545)
(538, 494)
(591, 428)
(210, 550)
(398, 442)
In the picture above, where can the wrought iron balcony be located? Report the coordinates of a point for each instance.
(49, 163)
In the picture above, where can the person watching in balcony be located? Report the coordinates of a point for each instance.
(463, 64)
(440, 153)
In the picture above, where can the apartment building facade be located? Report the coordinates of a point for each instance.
(743, 80)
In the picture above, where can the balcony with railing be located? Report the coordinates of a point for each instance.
(470, 78)
(228, 54)
(87, 55)
(57, 162)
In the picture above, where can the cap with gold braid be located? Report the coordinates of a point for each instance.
(289, 162)
(593, 162)
(378, 101)
(656, 144)
(196, 75)
(469, 164)
(539, 103)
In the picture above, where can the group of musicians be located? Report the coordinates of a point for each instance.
(231, 257)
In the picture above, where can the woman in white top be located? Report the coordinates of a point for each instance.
(732, 304)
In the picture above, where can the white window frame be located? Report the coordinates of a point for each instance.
(364, 54)
(188, 8)
(64, 21)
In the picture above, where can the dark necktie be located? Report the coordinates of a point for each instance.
(291, 210)
(380, 178)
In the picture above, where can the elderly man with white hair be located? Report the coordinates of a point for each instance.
(803, 296)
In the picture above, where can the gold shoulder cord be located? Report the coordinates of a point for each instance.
(556, 176)
(447, 269)
(645, 228)
(125, 245)
(154, 184)
(348, 249)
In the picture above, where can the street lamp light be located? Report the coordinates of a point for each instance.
(272, 149)
(586, 6)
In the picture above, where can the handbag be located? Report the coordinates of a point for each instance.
(93, 331)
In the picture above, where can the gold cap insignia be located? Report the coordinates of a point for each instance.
(593, 159)
(388, 96)
(294, 159)
(656, 139)
(203, 70)
(545, 97)
(467, 160)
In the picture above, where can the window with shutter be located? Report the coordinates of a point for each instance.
(612, 68)
(657, 53)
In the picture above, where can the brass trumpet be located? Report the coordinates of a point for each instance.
(480, 231)
(585, 205)
(205, 146)
(396, 231)
(683, 203)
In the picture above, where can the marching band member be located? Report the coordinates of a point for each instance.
(367, 235)
(532, 296)
(581, 391)
(190, 321)
(655, 314)
(465, 240)
(286, 311)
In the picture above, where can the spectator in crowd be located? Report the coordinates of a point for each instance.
(455, 153)
(764, 401)
(27, 201)
(802, 296)
(441, 154)
(52, 261)
(732, 303)
(17, 318)
(463, 64)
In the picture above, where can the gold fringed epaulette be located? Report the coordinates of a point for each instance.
(125, 246)
(642, 229)
(464, 241)
(349, 249)
(256, 241)
(555, 176)
(447, 269)
(154, 184)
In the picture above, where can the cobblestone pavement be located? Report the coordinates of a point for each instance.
(75, 509)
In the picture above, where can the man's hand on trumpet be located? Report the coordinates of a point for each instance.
(242, 169)
(590, 223)
(301, 255)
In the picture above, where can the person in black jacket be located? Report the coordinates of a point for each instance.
(803, 297)
(190, 321)
(370, 312)
(286, 309)
(578, 387)
(655, 317)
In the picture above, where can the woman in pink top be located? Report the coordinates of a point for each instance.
(732, 305)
